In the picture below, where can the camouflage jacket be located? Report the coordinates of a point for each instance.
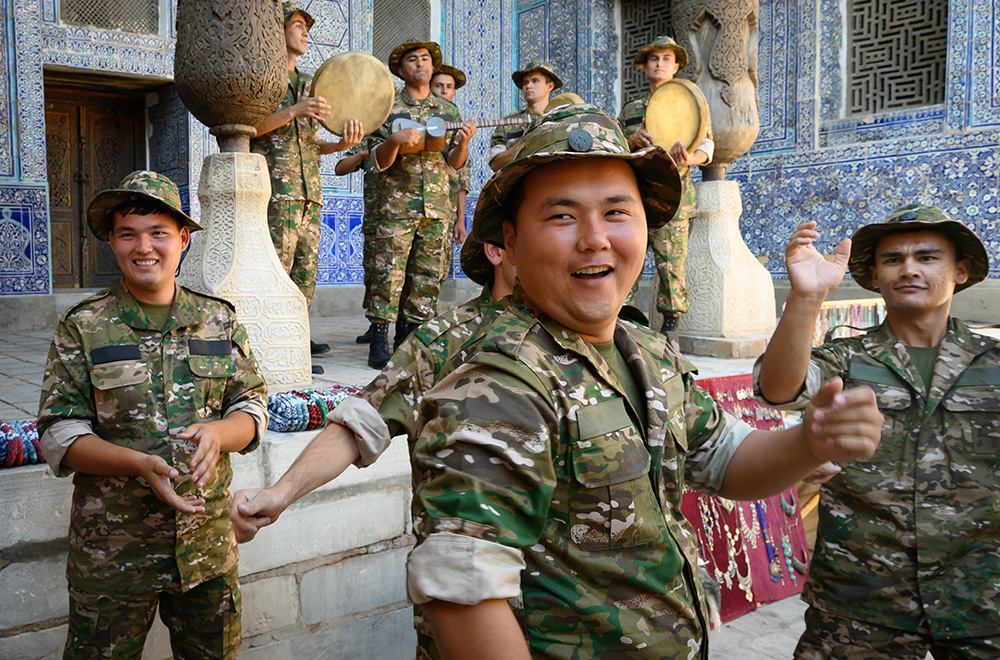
(111, 373)
(505, 137)
(909, 538)
(533, 484)
(417, 185)
(292, 151)
(632, 118)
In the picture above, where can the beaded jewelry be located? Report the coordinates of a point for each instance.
(750, 532)
(774, 563)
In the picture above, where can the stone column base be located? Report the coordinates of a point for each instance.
(235, 259)
(732, 296)
(749, 346)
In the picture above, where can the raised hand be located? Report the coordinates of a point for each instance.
(313, 107)
(809, 272)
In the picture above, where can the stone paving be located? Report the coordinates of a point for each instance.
(768, 633)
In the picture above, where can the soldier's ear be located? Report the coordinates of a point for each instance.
(508, 241)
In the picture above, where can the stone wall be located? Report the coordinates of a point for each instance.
(327, 580)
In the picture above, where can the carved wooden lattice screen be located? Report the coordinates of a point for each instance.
(897, 54)
(398, 21)
(139, 16)
(642, 21)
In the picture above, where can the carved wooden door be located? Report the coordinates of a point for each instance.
(92, 141)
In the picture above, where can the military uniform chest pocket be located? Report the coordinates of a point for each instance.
(612, 502)
(975, 408)
(119, 377)
(894, 400)
(211, 365)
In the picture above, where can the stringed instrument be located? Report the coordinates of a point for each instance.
(432, 136)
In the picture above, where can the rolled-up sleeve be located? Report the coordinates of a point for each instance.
(246, 391)
(57, 439)
(370, 431)
(824, 364)
(462, 569)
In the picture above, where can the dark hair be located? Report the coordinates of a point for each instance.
(515, 198)
(144, 207)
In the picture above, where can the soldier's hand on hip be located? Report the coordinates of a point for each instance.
(842, 425)
(207, 455)
(159, 475)
(313, 107)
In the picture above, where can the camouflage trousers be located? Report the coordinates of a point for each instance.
(204, 622)
(669, 244)
(368, 264)
(832, 637)
(295, 230)
(408, 254)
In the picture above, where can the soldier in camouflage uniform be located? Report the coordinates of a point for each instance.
(289, 141)
(359, 157)
(550, 465)
(446, 81)
(661, 60)
(147, 388)
(414, 200)
(537, 80)
(906, 558)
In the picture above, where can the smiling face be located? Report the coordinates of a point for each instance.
(296, 35)
(443, 85)
(661, 66)
(536, 86)
(578, 242)
(416, 66)
(916, 272)
(148, 249)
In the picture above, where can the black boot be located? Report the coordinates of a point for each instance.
(403, 330)
(318, 349)
(669, 323)
(365, 338)
(378, 350)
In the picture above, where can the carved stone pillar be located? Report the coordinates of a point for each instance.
(732, 297)
(235, 259)
(230, 71)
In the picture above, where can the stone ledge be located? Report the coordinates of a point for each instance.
(749, 346)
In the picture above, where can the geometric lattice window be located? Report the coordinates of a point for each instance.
(138, 16)
(397, 21)
(642, 21)
(897, 54)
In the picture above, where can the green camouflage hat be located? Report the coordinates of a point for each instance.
(456, 74)
(917, 217)
(400, 51)
(290, 9)
(569, 132)
(661, 43)
(537, 65)
(141, 185)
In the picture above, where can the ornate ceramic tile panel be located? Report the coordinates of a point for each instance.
(24, 240)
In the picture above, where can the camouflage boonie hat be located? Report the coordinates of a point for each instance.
(537, 65)
(917, 217)
(457, 74)
(661, 43)
(569, 132)
(396, 57)
(141, 185)
(289, 9)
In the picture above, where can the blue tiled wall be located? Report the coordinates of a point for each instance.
(808, 161)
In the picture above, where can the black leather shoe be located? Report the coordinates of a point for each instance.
(365, 338)
(378, 349)
(318, 349)
(317, 370)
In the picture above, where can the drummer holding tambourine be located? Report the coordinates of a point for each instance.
(674, 115)
(289, 142)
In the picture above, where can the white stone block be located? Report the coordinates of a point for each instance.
(36, 504)
(387, 636)
(269, 604)
(327, 527)
(38, 645)
(353, 586)
(248, 469)
(33, 591)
